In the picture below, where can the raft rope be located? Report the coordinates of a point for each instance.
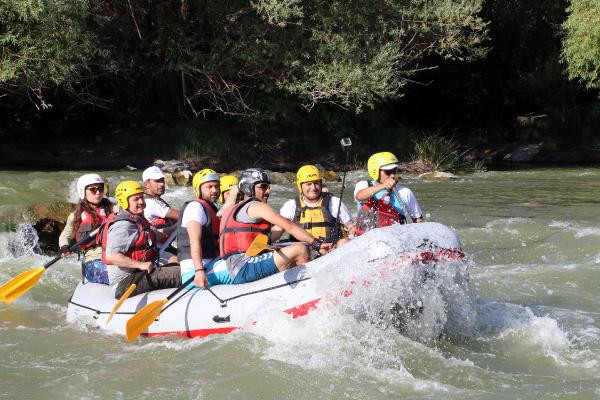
(223, 302)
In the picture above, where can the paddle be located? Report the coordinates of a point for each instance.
(346, 144)
(146, 316)
(133, 285)
(261, 242)
(21, 283)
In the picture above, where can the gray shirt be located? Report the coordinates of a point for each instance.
(237, 261)
(121, 236)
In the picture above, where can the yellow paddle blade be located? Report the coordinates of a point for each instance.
(144, 318)
(260, 243)
(20, 284)
(121, 301)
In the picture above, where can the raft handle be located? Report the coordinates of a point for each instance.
(219, 319)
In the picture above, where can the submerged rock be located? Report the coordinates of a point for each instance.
(525, 153)
(48, 219)
(437, 175)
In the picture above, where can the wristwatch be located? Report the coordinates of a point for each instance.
(316, 245)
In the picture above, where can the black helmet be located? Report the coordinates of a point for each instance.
(250, 177)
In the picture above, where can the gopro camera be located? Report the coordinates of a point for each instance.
(346, 142)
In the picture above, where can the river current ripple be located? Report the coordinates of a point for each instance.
(533, 240)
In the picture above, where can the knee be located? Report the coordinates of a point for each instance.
(302, 253)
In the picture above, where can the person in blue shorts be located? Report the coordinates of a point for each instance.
(243, 222)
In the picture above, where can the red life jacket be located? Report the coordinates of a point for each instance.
(87, 225)
(377, 213)
(143, 249)
(210, 233)
(237, 236)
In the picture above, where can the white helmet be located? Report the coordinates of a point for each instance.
(86, 180)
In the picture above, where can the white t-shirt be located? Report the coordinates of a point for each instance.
(156, 208)
(404, 194)
(194, 212)
(289, 209)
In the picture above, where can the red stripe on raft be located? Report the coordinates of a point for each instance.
(196, 332)
(302, 309)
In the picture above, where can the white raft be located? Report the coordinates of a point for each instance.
(297, 291)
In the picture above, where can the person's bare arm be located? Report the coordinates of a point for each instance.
(195, 233)
(264, 211)
(368, 192)
(123, 261)
(172, 214)
(276, 233)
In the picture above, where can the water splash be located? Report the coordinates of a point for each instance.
(24, 242)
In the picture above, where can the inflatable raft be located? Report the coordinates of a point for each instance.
(377, 256)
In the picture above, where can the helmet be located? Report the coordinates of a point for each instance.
(378, 160)
(203, 176)
(307, 173)
(86, 180)
(126, 189)
(249, 178)
(227, 182)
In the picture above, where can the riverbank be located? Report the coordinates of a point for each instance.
(227, 148)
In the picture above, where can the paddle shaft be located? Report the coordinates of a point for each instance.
(73, 247)
(346, 143)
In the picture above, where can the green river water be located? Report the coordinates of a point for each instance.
(533, 239)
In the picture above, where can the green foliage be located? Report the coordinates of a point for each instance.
(581, 44)
(44, 44)
(204, 57)
(443, 154)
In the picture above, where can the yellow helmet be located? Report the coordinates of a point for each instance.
(203, 176)
(378, 160)
(227, 182)
(307, 173)
(126, 189)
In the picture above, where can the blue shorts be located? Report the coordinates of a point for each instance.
(95, 271)
(256, 268)
(216, 272)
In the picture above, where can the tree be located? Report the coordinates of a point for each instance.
(203, 56)
(581, 43)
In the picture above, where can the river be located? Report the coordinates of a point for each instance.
(533, 240)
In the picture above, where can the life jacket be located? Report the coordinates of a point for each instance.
(87, 225)
(236, 237)
(210, 233)
(144, 247)
(378, 211)
(160, 223)
(318, 221)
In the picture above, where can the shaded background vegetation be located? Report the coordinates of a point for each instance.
(288, 78)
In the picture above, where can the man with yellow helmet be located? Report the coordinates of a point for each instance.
(129, 245)
(383, 201)
(228, 186)
(198, 232)
(317, 211)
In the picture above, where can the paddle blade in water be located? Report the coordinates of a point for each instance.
(144, 318)
(20, 284)
(121, 301)
(260, 243)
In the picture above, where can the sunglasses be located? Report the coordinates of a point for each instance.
(262, 186)
(390, 171)
(96, 189)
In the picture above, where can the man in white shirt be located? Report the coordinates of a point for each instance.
(198, 233)
(158, 212)
(383, 201)
(316, 211)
